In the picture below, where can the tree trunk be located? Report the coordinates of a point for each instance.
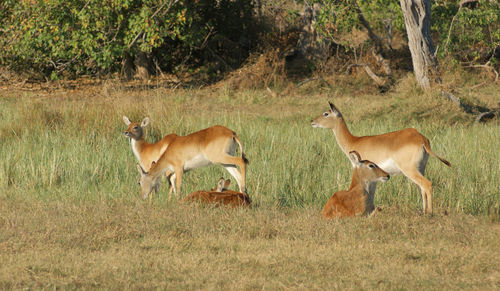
(311, 49)
(310, 43)
(417, 15)
(143, 66)
(128, 67)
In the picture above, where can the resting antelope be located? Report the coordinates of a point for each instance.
(213, 145)
(146, 153)
(220, 196)
(404, 151)
(358, 200)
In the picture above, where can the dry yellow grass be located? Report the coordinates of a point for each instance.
(117, 244)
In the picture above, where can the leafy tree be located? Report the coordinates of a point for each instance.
(94, 36)
(56, 38)
(469, 30)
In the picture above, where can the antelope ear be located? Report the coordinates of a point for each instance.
(220, 185)
(145, 121)
(335, 110)
(141, 170)
(355, 158)
(126, 120)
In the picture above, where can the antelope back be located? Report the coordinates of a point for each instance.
(228, 198)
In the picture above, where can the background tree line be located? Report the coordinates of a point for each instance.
(52, 39)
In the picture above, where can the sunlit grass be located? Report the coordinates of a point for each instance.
(74, 148)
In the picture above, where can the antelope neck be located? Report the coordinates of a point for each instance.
(159, 168)
(137, 146)
(367, 186)
(343, 135)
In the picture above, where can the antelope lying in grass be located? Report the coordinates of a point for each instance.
(358, 200)
(220, 196)
(146, 153)
(405, 151)
(213, 145)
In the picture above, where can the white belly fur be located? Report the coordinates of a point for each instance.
(197, 162)
(389, 166)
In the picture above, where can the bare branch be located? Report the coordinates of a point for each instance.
(271, 92)
(362, 19)
(457, 101)
(485, 66)
(470, 109)
(84, 6)
(460, 5)
(378, 52)
(378, 80)
(485, 116)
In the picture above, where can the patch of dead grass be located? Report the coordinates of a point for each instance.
(129, 244)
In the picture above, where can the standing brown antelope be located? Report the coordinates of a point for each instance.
(146, 153)
(213, 145)
(220, 196)
(404, 151)
(358, 200)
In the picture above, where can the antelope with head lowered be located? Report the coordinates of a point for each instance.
(220, 196)
(213, 145)
(146, 153)
(358, 200)
(404, 151)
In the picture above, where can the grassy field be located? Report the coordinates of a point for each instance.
(70, 213)
(125, 244)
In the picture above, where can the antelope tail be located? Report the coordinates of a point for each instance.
(427, 148)
(237, 140)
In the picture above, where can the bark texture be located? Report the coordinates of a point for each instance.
(311, 48)
(143, 66)
(310, 43)
(128, 67)
(417, 15)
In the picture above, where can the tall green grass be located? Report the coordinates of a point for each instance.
(73, 147)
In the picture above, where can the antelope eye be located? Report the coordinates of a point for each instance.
(326, 114)
(139, 183)
(371, 166)
(136, 127)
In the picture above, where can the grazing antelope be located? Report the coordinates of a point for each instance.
(213, 145)
(146, 153)
(220, 196)
(404, 151)
(358, 200)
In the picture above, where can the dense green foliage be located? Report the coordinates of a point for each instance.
(468, 33)
(339, 18)
(90, 37)
(55, 38)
